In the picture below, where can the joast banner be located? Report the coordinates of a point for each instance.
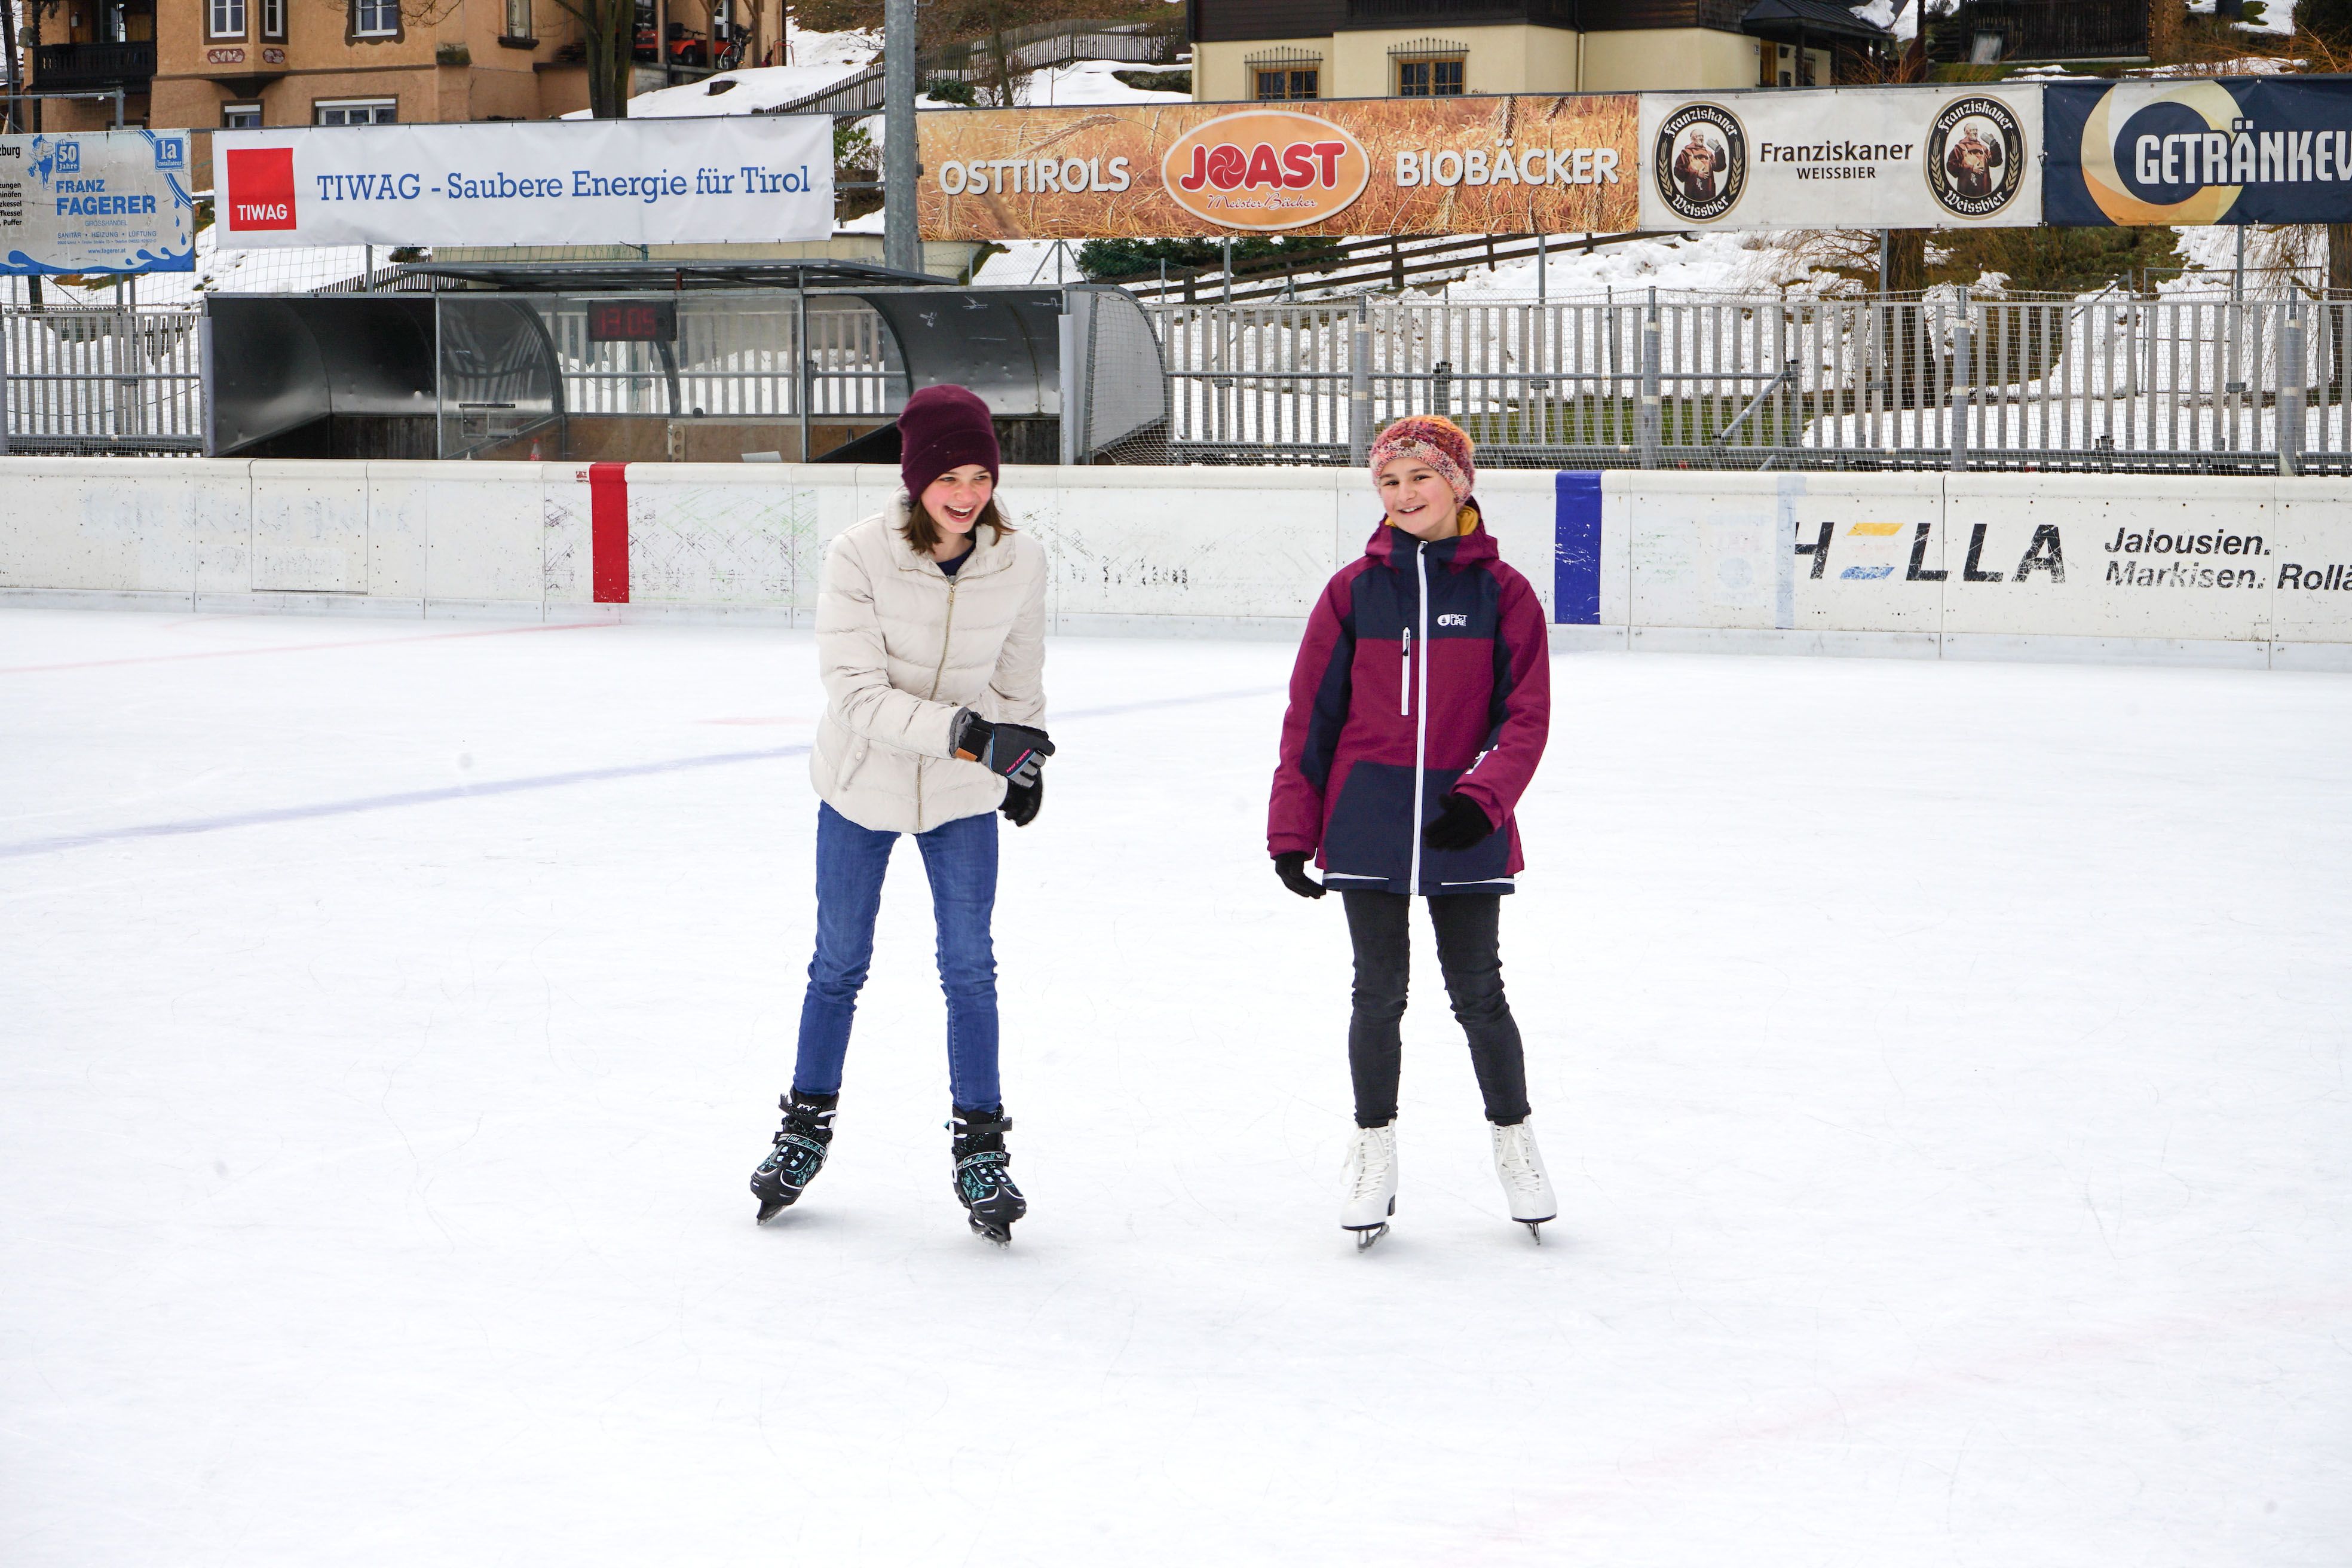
(2203, 151)
(1944, 157)
(95, 201)
(1426, 166)
(730, 179)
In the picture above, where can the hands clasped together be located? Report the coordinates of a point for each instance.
(1015, 752)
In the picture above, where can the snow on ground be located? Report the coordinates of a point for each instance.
(1942, 1066)
(1093, 81)
(817, 60)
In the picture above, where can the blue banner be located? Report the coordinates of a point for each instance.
(2201, 150)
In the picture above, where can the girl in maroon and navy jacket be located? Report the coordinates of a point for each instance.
(1419, 707)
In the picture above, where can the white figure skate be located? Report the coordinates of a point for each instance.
(1518, 1165)
(1371, 1184)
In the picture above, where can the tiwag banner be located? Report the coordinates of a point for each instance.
(2255, 149)
(1942, 157)
(1415, 165)
(95, 201)
(732, 178)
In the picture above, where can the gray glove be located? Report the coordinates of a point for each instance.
(1014, 750)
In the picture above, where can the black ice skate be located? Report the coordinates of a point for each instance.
(982, 1182)
(799, 1154)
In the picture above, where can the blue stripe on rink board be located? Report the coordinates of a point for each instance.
(1576, 549)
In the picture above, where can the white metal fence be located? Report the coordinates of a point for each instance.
(2111, 383)
(79, 379)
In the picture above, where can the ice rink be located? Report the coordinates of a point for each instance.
(1943, 1067)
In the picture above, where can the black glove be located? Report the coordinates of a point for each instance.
(1016, 750)
(1291, 866)
(1460, 824)
(1022, 801)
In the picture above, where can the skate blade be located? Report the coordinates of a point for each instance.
(1002, 1238)
(771, 1207)
(1535, 1228)
(1367, 1235)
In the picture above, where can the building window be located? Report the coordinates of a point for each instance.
(357, 111)
(1429, 79)
(519, 19)
(376, 18)
(240, 117)
(273, 19)
(224, 18)
(1278, 84)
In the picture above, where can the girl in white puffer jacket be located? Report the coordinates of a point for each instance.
(930, 630)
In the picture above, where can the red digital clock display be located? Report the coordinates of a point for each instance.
(632, 321)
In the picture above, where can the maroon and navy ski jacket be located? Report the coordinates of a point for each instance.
(1424, 670)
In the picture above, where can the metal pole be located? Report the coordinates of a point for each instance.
(369, 267)
(900, 247)
(4, 373)
(2237, 277)
(1885, 257)
(800, 347)
(1360, 384)
(1652, 410)
(1229, 269)
(118, 108)
(1962, 392)
(2289, 392)
(1073, 416)
(1542, 258)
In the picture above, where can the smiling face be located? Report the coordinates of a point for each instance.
(954, 501)
(1417, 499)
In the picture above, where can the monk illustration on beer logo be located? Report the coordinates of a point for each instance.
(1973, 162)
(1698, 167)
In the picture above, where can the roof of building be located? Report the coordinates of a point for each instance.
(1782, 19)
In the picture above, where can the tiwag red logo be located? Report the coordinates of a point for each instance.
(260, 188)
(1266, 168)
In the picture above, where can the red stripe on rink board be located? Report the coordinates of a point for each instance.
(608, 514)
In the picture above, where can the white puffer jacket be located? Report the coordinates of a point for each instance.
(901, 645)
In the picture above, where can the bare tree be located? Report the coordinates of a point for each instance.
(609, 30)
(15, 68)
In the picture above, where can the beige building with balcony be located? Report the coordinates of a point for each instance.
(1268, 49)
(203, 65)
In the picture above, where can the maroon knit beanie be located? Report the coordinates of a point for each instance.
(944, 428)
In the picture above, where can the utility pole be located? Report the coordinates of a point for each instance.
(900, 247)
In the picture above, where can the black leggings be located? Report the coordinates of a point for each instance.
(1468, 957)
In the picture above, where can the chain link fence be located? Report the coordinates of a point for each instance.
(2111, 383)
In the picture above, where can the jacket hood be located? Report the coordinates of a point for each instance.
(1392, 546)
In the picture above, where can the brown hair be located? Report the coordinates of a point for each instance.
(921, 531)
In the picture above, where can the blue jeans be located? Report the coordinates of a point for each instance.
(960, 857)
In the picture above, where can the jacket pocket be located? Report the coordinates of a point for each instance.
(1370, 834)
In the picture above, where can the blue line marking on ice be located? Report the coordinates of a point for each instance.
(1575, 548)
(510, 786)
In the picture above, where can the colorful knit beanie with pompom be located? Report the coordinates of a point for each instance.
(1435, 440)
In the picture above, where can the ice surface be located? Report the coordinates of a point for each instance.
(1942, 1068)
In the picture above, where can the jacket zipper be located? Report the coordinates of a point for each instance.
(1421, 720)
(946, 631)
(1404, 678)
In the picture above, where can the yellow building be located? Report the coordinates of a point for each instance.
(203, 65)
(1261, 49)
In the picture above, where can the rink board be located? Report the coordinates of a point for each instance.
(2229, 569)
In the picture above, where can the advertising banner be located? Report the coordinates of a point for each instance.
(1944, 157)
(2252, 149)
(95, 201)
(1413, 166)
(716, 180)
